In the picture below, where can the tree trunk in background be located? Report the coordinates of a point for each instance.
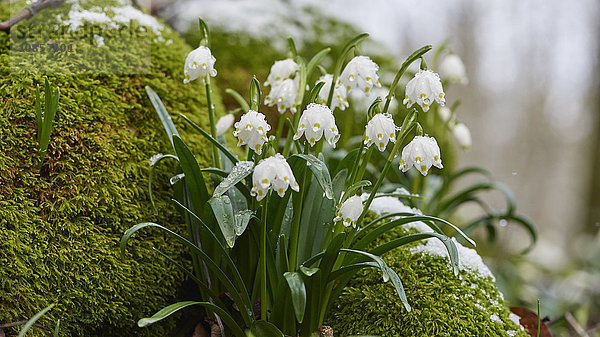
(593, 219)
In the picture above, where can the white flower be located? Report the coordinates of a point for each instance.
(452, 68)
(380, 130)
(463, 135)
(252, 130)
(224, 123)
(340, 94)
(315, 121)
(423, 89)
(275, 173)
(350, 211)
(360, 73)
(281, 71)
(422, 152)
(199, 63)
(445, 113)
(283, 95)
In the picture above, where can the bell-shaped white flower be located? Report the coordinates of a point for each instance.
(350, 211)
(272, 173)
(317, 120)
(252, 129)
(283, 95)
(360, 73)
(380, 130)
(452, 69)
(422, 152)
(445, 113)
(281, 71)
(340, 94)
(199, 63)
(463, 135)
(224, 123)
(423, 89)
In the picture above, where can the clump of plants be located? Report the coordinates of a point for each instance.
(276, 233)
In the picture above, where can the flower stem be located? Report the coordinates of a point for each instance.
(211, 116)
(263, 263)
(386, 167)
(280, 124)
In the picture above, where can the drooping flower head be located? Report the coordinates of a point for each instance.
(340, 94)
(199, 63)
(463, 135)
(224, 123)
(252, 130)
(283, 95)
(452, 68)
(272, 173)
(350, 211)
(315, 121)
(422, 152)
(281, 71)
(360, 73)
(445, 114)
(380, 130)
(424, 89)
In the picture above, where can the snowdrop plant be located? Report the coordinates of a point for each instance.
(45, 118)
(283, 230)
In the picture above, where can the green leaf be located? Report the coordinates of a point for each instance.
(348, 161)
(173, 308)
(308, 271)
(254, 94)
(193, 175)
(204, 33)
(450, 246)
(331, 255)
(263, 328)
(354, 188)
(56, 329)
(220, 146)
(221, 207)
(238, 98)
(313, 97)
(240, 221)
(240, 171)
(338, 183)
(151, 175)
(320, 171)
(298, 290)
(413, 57)
(164, 116)
(387, 273)
(315, 60)
(34, 319)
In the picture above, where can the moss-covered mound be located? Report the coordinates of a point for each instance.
(60, 228)
(443, 304)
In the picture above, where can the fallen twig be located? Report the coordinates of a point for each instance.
(28, 12)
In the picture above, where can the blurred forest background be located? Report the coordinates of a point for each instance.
(532, 105)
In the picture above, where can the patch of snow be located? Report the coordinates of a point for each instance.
(99, 40)
(495, 318)
(515, 318)
(125, 14)
(511, 333)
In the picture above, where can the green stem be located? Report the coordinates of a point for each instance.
(263, 264)
(280, 124)
(386, 167)
(363, 167)
(211, 116)
(356, 162)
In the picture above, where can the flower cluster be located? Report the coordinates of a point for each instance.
(272, 173)
(252, 130)
(422, 152)
(199, 63)
(315, 121)
(284, 85)
(424, 89)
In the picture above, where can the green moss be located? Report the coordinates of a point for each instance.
(442, 304)
(60, 229)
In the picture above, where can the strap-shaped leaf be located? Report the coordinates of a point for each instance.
(388, 274)
(164, 116)
(354, 188)
(193, 174)
(263, 328)
(238, 98)
(34, 319)
(240, 171)
(151, 175)
(315, 60)
(215, 142)
(221, 207)
(320, 171)
(173, 308)
(298, 290)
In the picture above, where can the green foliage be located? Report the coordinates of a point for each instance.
(443, 304)
(59, 228)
